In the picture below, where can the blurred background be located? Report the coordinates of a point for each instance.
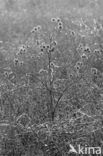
(17, 17)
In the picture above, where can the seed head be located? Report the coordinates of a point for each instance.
(35, 29)
(79, 63)
(42, 49)
(43, 45)
(53, 19)
(51, 49)
(87, 50)
(39, 27)
(47, 46)
(58, 19)
(16, 61)
(97, 51)
(77, 67)
(60, 27)
(84, 56)
(60, 23)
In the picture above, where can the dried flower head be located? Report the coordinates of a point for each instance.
(97, 51)
(39, 27)
(60, 27)
(43, 45)
(16, 61)
(84, 56)
(53, 19)
(60, 24)
(47, 46)
(79, 63)
(87, 50)
(22, 49)
(42, 49)
(35, 29)
(77, 67)
(58, 19)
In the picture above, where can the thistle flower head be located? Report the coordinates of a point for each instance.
(60, 23)
(60, 27)
(38, 27)
(97, 51)
(16, 61)
(79, 63)
(41, 48)
(35, 29)
(43, 45)
(22, 49)
(87, 49)
(84, 56)
(58, 19)
(47, 46)
(53, 19)
(77, 67)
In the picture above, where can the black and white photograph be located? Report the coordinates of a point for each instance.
(51, 77)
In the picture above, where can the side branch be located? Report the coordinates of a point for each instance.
(60, 97)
